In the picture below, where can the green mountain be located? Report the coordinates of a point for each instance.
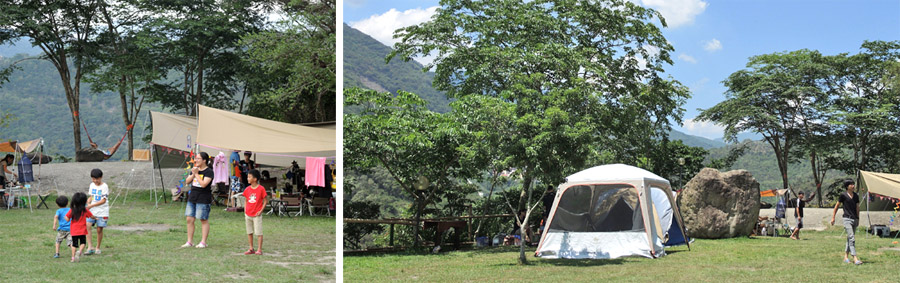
(695, 140)
(35, 97)
(364, 66)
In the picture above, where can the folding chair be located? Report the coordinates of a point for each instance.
(318, 203)
(44, 197)
(292, 203)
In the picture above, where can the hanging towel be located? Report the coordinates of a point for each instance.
(234, 160)
(315, 171)
(220, 169)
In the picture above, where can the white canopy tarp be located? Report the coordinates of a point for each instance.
(881, 183)
(275, 143)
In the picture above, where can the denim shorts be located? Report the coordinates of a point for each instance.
(101, 221)
(197, 210)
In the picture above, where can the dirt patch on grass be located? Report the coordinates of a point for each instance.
(141, 227)
(881, 249)
(239, 276)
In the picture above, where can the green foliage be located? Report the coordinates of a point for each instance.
(354, 232)
(296, 82)
(198, 44)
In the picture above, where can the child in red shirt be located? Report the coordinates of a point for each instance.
(78, 228)
(256, 201)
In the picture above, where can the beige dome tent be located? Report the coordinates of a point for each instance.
(612, 211)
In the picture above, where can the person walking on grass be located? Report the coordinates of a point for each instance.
(98, 204)
(798, 213)
(199, 198)
(78, 225)
(61, 225)
(849, 200)
(256, 201)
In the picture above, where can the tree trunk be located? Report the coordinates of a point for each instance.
(526, 190)
(123, 81)
(416, 230)
(199, 86)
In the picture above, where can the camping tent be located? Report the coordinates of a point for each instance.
(278, 143)
(612, 211)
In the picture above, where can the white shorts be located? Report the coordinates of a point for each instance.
(254, 224)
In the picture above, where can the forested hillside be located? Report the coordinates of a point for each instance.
(364, 66)
(34, 97)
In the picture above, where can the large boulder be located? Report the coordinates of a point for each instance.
(718, 205)
(88, 154)
(39, 158)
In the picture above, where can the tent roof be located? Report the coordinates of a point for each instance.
(881, 183)
(613, 172)
(228, 130)
(26, 146)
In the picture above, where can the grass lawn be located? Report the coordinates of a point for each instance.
(815, 258)
(296, 249)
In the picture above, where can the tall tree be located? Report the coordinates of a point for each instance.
(200, 43)
(865, 100)
(297, 59)
(772, 98)
(64, 30)
(123, 65)
(575, 72)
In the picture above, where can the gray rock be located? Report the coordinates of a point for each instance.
(88, 154)
(39, 158)
(720, 205)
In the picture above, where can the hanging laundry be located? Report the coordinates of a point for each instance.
(315, 171)
(220, 169)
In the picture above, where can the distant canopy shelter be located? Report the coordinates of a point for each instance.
(880, 183)
(26, 146)
(275, 143)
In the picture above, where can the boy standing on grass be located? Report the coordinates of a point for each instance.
(99, 207)
(62, 231)
(850, 202)
(256, 201)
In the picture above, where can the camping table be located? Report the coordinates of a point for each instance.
(19, 190)
(442, 226)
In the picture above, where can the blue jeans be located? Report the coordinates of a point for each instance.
(197, 210)
(101, 221)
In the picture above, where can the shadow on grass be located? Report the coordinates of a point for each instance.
(582, 262)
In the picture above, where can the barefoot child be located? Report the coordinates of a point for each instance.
(78, 226)
(99, 207)
(256, 201)
(798, 213)
(62, 231)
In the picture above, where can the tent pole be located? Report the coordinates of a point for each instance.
(153, 148)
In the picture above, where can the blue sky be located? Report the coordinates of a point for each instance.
(712, 39)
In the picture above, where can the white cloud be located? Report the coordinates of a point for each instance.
(705, 129)
(699, 85)
(381, 27)
(687, 58)
(677, 12)
(712, 45)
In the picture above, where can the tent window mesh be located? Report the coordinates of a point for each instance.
(598, 208)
